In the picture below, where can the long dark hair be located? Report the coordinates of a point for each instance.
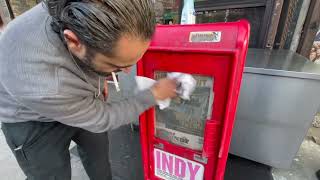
(100, 23)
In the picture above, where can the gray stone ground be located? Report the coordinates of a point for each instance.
(304, 166)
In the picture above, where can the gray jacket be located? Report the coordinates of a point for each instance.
(40, 82)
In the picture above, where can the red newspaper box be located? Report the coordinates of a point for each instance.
(190, 139)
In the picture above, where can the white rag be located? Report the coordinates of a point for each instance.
(186, 86)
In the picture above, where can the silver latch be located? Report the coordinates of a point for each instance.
(199, 158)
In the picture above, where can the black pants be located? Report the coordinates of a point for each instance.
(42, 150)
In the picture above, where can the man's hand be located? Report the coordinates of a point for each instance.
(164, 88)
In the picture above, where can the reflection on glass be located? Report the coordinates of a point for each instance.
(183, 122)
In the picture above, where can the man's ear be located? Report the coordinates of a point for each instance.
(74, 44)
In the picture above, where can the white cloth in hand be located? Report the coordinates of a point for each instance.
(144, 83)
(186, 86)
(186, 82)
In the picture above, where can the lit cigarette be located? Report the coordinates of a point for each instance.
(115, 81)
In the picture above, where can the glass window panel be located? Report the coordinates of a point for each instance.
(183, 122)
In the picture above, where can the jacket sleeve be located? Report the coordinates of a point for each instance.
(89, 113)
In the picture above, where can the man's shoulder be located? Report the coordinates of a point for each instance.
(30, 54)
(28, 34)
(34, 60)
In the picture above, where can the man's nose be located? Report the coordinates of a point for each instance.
(126, 70)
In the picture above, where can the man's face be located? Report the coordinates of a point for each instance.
(127, 52)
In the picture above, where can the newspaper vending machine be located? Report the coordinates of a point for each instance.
(190, 139)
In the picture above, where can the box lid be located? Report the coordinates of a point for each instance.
(281, 63)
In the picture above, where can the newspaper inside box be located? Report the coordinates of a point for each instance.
(183, 122)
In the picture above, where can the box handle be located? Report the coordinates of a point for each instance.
(211, 138)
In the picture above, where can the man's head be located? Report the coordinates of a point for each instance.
(106, 35)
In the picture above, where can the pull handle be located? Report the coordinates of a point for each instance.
(211, 138)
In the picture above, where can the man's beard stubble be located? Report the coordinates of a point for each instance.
(87, 65)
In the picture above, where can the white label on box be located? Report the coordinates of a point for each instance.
(171, 167)
(205, 36)
(183, 139)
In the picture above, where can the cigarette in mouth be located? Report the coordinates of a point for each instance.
(115, 81)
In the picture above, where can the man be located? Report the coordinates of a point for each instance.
(53, 62)
(318, 174)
